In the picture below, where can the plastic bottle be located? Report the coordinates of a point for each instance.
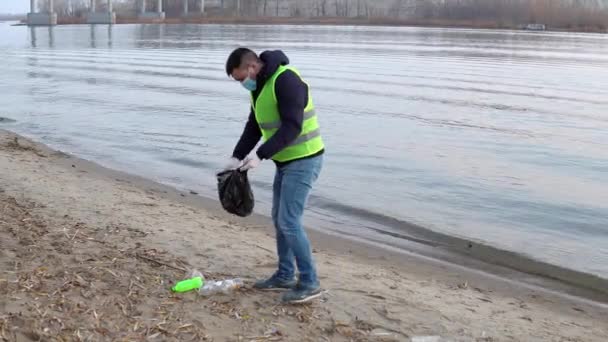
(188, 285)
(222, 286)
(194, 281)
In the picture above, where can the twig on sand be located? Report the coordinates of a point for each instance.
(264, 338)
(161, 263)
(266, 249)
(109, 271)
(384, 313)
(95, 240)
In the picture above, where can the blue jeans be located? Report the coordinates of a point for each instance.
(292, 185)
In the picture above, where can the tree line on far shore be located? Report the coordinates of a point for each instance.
(553, 13)
(10, 17)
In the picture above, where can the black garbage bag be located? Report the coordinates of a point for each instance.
(235, 192)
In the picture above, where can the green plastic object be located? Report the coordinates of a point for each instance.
(188, 285)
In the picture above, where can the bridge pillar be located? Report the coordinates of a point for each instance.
(159, 15)
(34, 18)
(94, 17)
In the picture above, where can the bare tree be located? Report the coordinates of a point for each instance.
(320, 8)
(346, 8)
(396, 8)
(324, 4)
(264, 6)
(505, 13)
(295, 9)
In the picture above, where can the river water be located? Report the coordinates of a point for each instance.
(496, 136)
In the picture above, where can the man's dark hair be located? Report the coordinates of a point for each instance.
(237, 57)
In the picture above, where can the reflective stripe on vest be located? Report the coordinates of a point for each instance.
(268, 118)
(306, 137)
(277, 124)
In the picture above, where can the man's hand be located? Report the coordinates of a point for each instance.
(251, 163)
(232, 164)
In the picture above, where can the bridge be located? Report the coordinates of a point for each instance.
(106, 17)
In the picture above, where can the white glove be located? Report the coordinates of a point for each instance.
(251, 163)
(232, 164)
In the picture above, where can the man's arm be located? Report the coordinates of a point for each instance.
(250, 137)
(292, 97)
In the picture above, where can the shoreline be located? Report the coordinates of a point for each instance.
(336, 21)
(361, 278)
(482, 256)
(412, 240)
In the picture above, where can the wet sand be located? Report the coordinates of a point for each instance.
(89, 253)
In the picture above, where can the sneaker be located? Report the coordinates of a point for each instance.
(301, 294)
(274, 284)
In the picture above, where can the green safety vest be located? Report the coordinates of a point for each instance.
(266, 111)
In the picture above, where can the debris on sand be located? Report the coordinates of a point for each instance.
(72, 283)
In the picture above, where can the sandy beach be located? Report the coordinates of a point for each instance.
(89, 254)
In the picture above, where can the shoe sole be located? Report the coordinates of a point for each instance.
(307, 299)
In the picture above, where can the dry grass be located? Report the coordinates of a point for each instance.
(68, 283)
